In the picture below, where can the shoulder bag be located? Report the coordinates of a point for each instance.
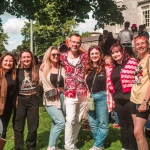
(90, 103)
(54, 92)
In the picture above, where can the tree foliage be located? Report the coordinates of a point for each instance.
(85, 34)
(45, 36)
(3, 39)
(104, 11)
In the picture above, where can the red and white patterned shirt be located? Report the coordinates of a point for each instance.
(74, 76)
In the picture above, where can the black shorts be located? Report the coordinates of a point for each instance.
(143, 115)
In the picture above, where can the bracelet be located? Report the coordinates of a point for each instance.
(145, 100)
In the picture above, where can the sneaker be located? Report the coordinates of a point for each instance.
(71, 148)
(96, 148)
(53, 148)
(116, 125)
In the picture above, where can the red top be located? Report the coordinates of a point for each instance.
(127, 76)
(74, 76)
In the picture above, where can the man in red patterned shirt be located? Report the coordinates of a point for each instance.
(75, 90)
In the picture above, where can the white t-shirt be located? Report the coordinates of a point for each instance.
(73, 61)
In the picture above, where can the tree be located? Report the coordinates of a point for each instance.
(104, 11)
(85, 34)
(3, 39)
(45, 36)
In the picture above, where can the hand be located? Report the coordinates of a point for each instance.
(142, 107)
(42, 66)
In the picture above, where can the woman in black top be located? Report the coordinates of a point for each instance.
(27, 80)
(98, 119)
(7, 88)
(120, 82)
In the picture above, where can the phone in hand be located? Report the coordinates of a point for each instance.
(138, 105)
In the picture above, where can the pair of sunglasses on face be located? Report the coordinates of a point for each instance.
(55, 54)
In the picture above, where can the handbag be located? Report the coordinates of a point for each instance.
(54, 92)
(90, 102)
(2, 128)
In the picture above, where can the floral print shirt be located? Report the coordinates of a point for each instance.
(74, 76)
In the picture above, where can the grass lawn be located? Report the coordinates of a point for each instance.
(85, 140)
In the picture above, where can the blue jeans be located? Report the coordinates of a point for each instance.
(58, 123)
(62, 101)
(116, 118)
(98, 119)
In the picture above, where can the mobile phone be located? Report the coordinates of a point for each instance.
(138, 105)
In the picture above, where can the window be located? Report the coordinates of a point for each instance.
(146, 15)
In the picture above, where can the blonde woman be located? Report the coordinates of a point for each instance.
(54, 105)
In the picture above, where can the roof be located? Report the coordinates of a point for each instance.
(140, 2)
(89, 39)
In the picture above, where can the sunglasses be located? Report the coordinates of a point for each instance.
(54, 54)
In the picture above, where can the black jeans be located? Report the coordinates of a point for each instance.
(127, 128)
(27, 108)
(5, 118)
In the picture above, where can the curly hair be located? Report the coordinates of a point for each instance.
(89, 63)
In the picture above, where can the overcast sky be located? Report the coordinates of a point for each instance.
(13, 25)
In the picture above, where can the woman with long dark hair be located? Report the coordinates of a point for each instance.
(7, 88)
(96, 83)
(27, 104)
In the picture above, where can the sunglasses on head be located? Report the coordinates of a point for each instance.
(54, 54)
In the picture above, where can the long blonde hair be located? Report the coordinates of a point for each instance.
(47, 61)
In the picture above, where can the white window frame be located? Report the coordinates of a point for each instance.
(146, 15)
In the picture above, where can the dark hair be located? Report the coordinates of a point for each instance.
(89, 64)
(110, 35)
(121, 49)
(12, 71)
(63, 48)
(77, 35)
(35, 74)
(127, 24)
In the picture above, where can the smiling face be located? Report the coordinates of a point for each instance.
(26, 59)
(141, 46)
(55, 56)
(117, 55)
(75, 43)
(7, 63)
(94, 55)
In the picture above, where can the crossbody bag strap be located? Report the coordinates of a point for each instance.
(147, 66)
(59, 76)
(93, 83)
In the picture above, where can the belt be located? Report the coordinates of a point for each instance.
(27, 96)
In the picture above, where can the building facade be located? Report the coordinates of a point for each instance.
(137, 12)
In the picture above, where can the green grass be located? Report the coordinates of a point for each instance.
(85, 140)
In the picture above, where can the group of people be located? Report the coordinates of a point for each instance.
(81, 75)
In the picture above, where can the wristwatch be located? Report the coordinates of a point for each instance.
(145, 100)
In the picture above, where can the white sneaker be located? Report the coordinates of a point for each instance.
(71, 148)
(96, 148)
(53, 148)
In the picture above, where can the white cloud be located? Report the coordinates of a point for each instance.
(89, 25)
(13, 25)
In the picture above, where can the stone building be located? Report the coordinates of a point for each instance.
(91, 40)
(137, 12)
